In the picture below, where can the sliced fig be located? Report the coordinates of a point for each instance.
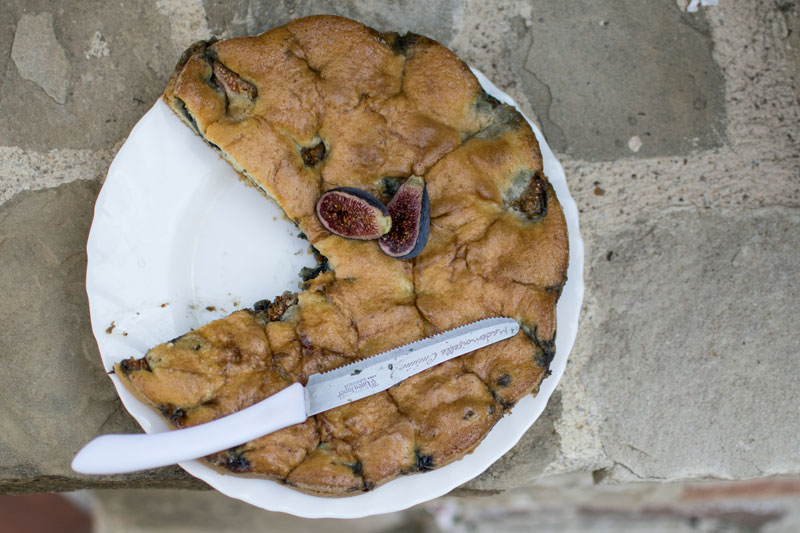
(533, 200)
(313, 154)
(411, 220)
(233, 84)
(353, 213)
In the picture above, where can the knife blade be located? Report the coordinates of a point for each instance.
(116, 454)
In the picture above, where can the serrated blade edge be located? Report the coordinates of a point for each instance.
(377, 373)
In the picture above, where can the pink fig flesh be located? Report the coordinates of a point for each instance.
(353, 213)
(411, 219)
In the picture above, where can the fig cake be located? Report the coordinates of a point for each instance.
(326, 102)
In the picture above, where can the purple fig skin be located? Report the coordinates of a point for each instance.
(353, 213)
(409, 234)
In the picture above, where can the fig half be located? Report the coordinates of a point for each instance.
(353, 213)
(411, 220)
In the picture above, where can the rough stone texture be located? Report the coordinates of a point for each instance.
(8, 26)
(691, 240)
(703, 347)
(758, 165)
(187, 20)
(57, 397)
(39, 57)
(23, 170)
(107, 93)
(791, 13)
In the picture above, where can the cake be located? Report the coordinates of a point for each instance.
(326, 102)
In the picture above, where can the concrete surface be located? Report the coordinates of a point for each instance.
(685, 363)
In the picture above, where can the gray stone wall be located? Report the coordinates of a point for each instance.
(680, 136)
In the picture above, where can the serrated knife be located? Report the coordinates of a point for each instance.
(117, 454)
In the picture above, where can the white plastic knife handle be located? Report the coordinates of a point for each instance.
(117, 454)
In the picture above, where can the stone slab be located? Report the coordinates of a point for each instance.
(791, 13)
(643, 71)
(39, 56)
(8, 26)
(22, 170)
(118, 60)
(691, 339)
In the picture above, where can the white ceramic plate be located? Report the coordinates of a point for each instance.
(178, 240)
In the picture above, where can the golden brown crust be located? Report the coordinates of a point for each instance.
(325, 102)
(381, 437)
